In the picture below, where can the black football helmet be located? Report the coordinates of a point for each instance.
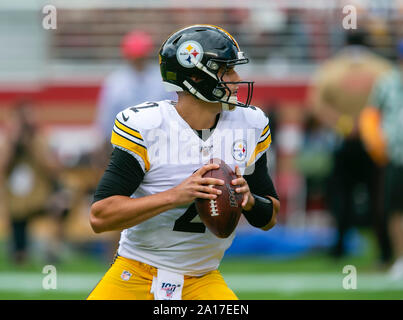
(200, 51)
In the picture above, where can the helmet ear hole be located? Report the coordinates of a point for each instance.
(213, 65)
(219, 93)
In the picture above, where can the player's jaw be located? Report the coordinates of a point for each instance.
(230, 80)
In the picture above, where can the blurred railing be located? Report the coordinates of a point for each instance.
(283, 38)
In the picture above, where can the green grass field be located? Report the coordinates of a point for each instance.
(314, 276)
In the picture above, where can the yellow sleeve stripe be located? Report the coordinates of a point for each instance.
(138, 149)
(265, 130)
(127, 130)
(261, 146)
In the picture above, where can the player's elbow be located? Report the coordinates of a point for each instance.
(96, 222)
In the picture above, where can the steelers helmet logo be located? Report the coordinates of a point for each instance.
(189, 53)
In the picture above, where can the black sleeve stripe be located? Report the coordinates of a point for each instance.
(139, 144)
(265, 130)
(120, 122)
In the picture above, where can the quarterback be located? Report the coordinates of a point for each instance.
(156, 172)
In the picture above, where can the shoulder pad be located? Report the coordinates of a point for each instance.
(255, 117)
(142, 116)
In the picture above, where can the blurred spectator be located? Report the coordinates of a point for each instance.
(297, 34)
(314, 161)
(341, 90)
(31, 180)
(135, 82)
(381, 126)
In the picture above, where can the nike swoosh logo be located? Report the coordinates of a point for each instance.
(124, 117)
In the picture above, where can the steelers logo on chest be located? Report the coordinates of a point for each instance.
(189, 53)
(239, 150)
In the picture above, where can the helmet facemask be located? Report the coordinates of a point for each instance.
(213, 88)
(229, 99)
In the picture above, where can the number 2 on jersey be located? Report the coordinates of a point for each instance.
(145, 105)
(184, 224)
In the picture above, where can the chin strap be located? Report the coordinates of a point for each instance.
(231, 106)
(196, 93)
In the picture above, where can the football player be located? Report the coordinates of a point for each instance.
(156, 168)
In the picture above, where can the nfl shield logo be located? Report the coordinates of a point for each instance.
(125, 275)
(169, 289)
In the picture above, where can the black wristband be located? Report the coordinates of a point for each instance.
(261, 213)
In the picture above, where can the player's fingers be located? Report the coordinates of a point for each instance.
(238, 171)
(208, 196)
(242, 189)
(209, 189)
(206, 168)
(239, 181)
(243, 186)
(211, 181)
(245, 199)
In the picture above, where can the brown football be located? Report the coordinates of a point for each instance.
(221, 215)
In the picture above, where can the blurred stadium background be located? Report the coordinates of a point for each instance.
(60, 72)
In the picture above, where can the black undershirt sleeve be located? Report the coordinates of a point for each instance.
(259, 181)
(122, 176)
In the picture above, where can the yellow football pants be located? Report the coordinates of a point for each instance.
(128, 279)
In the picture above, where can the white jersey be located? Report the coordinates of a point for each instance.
(169, 151)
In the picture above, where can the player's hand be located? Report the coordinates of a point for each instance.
(197, 187)
(248, 201)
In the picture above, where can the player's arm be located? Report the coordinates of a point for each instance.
(113, 209)
(260, 200)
